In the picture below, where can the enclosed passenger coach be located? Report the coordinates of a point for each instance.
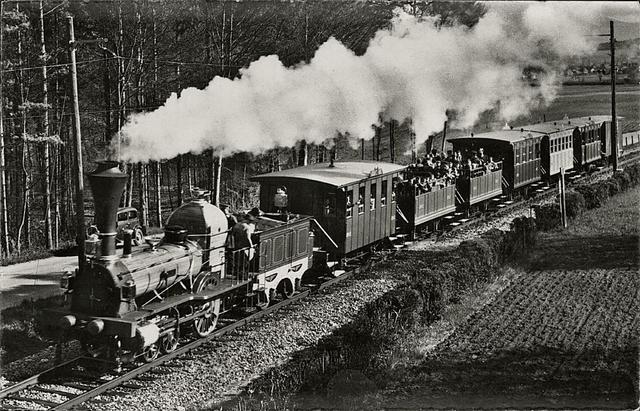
(353, 201)
(518, 150)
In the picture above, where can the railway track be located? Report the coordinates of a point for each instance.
(82, 379)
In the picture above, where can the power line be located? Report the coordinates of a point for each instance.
(86, 112)
(174, 62)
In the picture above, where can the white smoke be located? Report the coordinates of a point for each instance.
(411, 71)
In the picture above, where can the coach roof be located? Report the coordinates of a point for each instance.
(508, 136)
(341, 174)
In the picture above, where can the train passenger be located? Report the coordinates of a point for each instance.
(280, 199)
(482, 156)
(491, 165)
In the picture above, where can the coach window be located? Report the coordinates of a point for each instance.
(537, 150)
(349, 203)
(372, 199)
(518, 154)
(361, 200)
(383, 194)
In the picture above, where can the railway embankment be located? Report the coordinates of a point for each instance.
(443, 296)
(388, 328)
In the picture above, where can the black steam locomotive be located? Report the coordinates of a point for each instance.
(137, 303)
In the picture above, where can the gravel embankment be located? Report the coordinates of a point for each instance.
(222, 368)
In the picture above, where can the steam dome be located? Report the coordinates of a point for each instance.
(206, 224)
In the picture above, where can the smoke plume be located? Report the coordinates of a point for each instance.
(413, 71)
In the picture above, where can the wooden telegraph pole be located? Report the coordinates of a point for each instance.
(563, 203)
(80, 229)
(614, 119)
(4, 241)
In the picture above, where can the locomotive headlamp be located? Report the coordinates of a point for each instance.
(67, 322)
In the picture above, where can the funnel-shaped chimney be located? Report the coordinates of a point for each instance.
(107, 184)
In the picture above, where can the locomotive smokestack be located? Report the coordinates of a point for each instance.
(107, 184)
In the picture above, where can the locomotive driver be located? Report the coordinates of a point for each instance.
(242, 244)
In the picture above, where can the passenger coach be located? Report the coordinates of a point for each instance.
(518, 150)
(353, 202)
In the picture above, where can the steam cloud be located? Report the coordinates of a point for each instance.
(411, 71)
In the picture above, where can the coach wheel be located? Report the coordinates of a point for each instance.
(286, 289)
(169, 343)
(206, 323)
(150, 353)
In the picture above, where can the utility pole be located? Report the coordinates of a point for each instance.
(563, 203)
(614, 119)
(4, 241)
(392, 140)
(80, 229)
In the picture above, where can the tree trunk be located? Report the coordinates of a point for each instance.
(143, 190)
(24, 223)
(45, 132)
(302, 154)
(189, 171)
(158, 204)
(179, 178)
(106, 82)
(217, 176)
(392, 140)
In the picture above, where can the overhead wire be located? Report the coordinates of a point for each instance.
(174, 62)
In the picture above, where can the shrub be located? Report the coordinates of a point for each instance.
(595, 195)
(633, 171)
(612, 186)
(623, 179)
(575, 203)
(523, 234)
(548, 216)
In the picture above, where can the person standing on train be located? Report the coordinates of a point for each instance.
(482, 156)
(242, 245)
(231, 219)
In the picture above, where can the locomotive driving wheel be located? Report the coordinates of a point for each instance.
(206, 323)
(169, 343)
(150, 353)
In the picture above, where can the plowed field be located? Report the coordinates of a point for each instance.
(563, 334)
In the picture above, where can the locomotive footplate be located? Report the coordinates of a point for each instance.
(222, 287)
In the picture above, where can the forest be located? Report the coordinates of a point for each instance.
(131, 55)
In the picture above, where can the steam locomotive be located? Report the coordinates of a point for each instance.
(136, 304)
